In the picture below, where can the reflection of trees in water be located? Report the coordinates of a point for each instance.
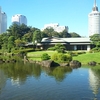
(94, 80)
(59, 73)
(19, 72)
(2, 80)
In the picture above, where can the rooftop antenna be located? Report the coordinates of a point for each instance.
(95, 8)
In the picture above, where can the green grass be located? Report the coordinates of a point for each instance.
(36, 55)
(85, 58)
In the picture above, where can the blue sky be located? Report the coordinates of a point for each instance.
(71, 13)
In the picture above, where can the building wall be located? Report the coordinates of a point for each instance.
(4, 22)
(94, 20)
(94, 23)
(0, 20)
(56, 27)
(19, 19)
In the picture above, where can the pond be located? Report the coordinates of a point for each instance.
(19, 81)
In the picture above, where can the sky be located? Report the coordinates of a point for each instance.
(71, 13)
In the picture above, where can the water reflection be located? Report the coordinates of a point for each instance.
(94, 80)
(2, 80)
(18, 72)
(73, 83)
(59, 73)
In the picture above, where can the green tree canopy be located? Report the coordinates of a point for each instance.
(95, 39)
(37, 36)
(64, 34)
(73, 34)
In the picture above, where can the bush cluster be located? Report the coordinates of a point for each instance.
(76, 53)
(60, 57)
(45, 56)
(96, 49)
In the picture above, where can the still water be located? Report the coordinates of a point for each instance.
(21, 81)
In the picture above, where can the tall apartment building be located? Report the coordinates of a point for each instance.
(19, 19)
(56, 27)
(3, 21)
(0, 20)
(94, 21)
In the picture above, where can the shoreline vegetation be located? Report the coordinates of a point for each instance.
(81, 56)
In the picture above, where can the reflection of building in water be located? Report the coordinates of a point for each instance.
(2, 80)
(16, 81)
(94, 81)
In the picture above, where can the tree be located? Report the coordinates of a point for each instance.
(18, 30)
(19, 43)
(4, 41)
(64, 34)
(37, 36)
(48, 31)
(73, 34)
(11, 44)
(95, 39)
(59, 48)
(45, 56)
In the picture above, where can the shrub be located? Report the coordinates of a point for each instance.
(45, 56)
(51, 48)
(60, 57)
(54, 57)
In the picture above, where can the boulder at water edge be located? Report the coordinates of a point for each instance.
(75, 64)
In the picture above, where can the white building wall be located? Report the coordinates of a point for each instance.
(94, 20)
(94, 23)
(56, 27)
(19, 19)
(4, 22)
(0, 20)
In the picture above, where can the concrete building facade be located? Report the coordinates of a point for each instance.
(3, 21)
(19, 19)
(94, 21)
(56, 27)
(0, 20)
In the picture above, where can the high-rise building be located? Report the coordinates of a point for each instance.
(94, 21)
(3, 21)
(19, 19)
(56, 27)
(0, 20)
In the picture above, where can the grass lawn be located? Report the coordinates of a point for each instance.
(36, 55)
(85, 58)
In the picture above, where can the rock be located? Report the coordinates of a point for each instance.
(13, 60)
(75, 64)
(92, 63)
(48, 63)
(64, 64)
(1, 61)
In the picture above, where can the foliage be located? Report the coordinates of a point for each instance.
(59, 48)
(51, 48)
(87, 57)
(60, 57)
(37, 36)
(64, 34)
(54, 57)
(73, 34)
(17, 30)
(45, 56)
(95, 39)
